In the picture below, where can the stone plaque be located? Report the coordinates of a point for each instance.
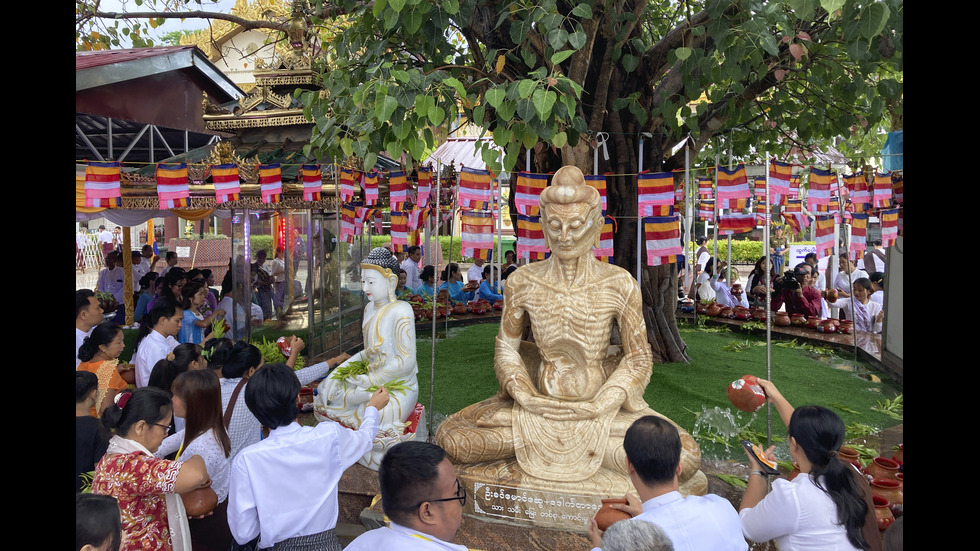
(535, 507)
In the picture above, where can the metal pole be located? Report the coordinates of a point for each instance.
(639, 217)
(850, 278)
(432, 366)
(714, 253)
(688, 213)
(336, 255)
(767, 275)
(728, 274)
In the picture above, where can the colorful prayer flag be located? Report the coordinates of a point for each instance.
(883, 191)
(477, 233)
(346, 185)
(172, 188)
(706, 211)
(474, 189)
(102, 185)
(397, 190)
(270, 180)
(730, 224)
(889, 227)
(416, 218)
(312, 182)
(780, 175)
(663, 239)
(653, 190)
(819, 192)
(898, 188)
(858, 188)
(794, 187)
(425, 187)
(605, 251)
(732, 186)
(824, 226)
(360, 216)
(399, 228)
(793, 215)
(370, 185)
(528, 188)
(705, 187)
(347, 213)
(530, 236)
(859, 233)
(227, 184)
(598, 181)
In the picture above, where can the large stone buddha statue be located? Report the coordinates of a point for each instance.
(565, 400)
(389, 350)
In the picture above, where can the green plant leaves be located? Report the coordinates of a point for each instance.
(544, 101)
(683, 53)
(494, 96)
(873, 19)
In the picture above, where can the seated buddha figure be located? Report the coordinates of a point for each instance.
(565, 400)
(389, 350)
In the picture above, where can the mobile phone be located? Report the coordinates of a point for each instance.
(768, 467)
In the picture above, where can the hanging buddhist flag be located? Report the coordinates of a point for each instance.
(598, 181)
(761, 212)
(312, 182)
(399, 229)
(780, 175)
(102, 185)
(730, 224)
(794, 187)
(227, 184)
(663, 239)
(824, 226)
(889, 226)
(172, 188)
(705, 187)
(819, 192)
(416, 218)
(858, 188)
(732, 186)
(346, 185)
(832, 207)
(898, 188)
(654, 190)
(793, 215)
(882, 191)
(474, 189)
(397, 190)
(370, 185)
(270, 180)
(759, 189)
(425, 187)
(604, 252)
(527, 190)
(360, 216)
(477, 233)
(859, 234)
(530, 236)
(347, 222)
(706, 210)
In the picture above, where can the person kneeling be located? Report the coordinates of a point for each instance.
(298, 510)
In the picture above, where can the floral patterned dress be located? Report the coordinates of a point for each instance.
(139, 482)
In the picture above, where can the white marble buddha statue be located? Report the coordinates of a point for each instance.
(389, 349)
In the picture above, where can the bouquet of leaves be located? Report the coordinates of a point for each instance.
(271, 353)
(392, 386)
(352, 369)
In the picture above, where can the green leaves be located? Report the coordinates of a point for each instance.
(682, 53)
(543, 102)
(873, 19)
(385, 108)
(494, 96)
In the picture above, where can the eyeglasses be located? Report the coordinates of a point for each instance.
(460, 495)
(166, 427)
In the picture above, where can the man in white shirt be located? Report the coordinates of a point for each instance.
(847, 272)
(146, 256)
(105, 239)
(475, 273)
(653, 455)
(111, 277)
(874, 257)
(298, 511)
(423, 498)
(88, 314)
(411, 267)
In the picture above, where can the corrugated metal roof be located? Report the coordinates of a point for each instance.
(98, 58)
(461, 152)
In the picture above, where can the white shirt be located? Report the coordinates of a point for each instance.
(841, 283)
(411, 269)
(145, 265)
(401, 538)
(105, 236)
(277, 269)
(475, 273)
(164, 270)
(79, 339)
(81, 240)
(111, 281)
(153, 348)
(264, 501)
(696, 523)
(244, 429)
(210, 450)
(798, 515)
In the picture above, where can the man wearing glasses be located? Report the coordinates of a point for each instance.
(423, 498)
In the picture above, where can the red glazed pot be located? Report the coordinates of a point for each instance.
(882, 467)
(813, 322)
(782, 320)
(726, 312)
(798, 320)
(883, 513)
(888, 488)
(846, 327)
(607, 516)
(746, 394)
(827, 326)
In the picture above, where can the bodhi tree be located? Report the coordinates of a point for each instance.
(551, 77)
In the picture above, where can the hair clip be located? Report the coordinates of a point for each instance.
(171, 357)
(122, 399)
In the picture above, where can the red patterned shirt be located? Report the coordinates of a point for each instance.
(139, 483)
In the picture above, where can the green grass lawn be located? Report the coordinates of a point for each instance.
(464, 375)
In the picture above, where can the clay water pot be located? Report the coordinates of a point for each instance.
(726, 312)
(798, 320)
(607, 516)
(742, 313)
(827, 326)
(881, 467)
(831, 295)
(898, 455)
(848, 454)
(713, 309)
(782, 320)
(846, 327)
(702, 309)
(888, 488)
(199, 501)
(813, 322)
(746, 394)
(498, 305)
(883, 512)
(459, 308)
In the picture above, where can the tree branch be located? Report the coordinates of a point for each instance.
(246, 24)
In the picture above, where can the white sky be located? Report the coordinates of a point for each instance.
(170, 25)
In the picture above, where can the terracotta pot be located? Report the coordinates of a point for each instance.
(883, 513)
(199, 501)
(897, 456)
(881, 467)
(813, 322)
(831, 295)
(713, 309)
(606, 515)
(746, 394)
(888, 488)
(846, 327)
(726, 312)
(781, 320)
(848, 454)
(742, 313)
(498, 305)
(798, 320)
(702, 309)
(459, 308)
(827, 326)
